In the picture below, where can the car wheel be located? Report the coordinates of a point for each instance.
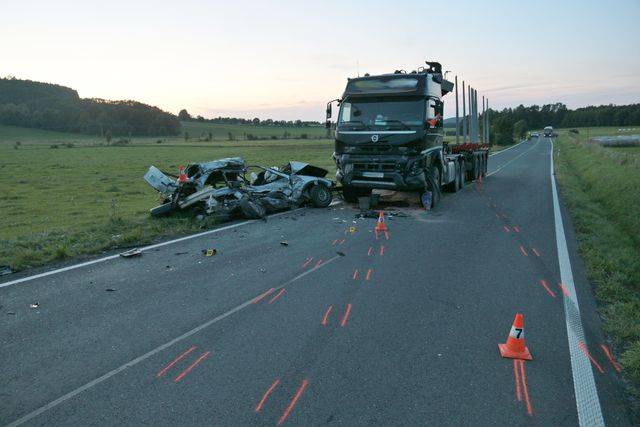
(321, 196)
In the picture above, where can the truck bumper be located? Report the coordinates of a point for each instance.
(384, 172)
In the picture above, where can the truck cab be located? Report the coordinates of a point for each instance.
(389, 133)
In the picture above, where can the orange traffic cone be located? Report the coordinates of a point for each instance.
(381, 226)
(514, 348)
(182, 177)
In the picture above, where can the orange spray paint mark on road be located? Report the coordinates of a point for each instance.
(612, 359)
(535, 251)
(370, 250)
(307, 261)
(345, 317)
(262, 296)
(381, 250)
(342, 241)
(505, 228)
(516, 229)
(174, 361)
(565, 291)
(355, 274)
(516, 376)
(544, 284)
(265, 396)
(334, 242)
(369, 273)
(292, 404)
(525, 388)
(325, 318)
(584, 349)
(318, 264)
(190, 367)
(523, 251)
(386, 235)
(278, 295)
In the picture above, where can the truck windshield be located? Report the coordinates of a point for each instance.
(386, 114)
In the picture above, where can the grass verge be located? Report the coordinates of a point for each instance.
(602, 195)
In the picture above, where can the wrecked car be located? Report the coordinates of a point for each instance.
(227, 186)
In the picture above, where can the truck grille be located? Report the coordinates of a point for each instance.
(374, 167)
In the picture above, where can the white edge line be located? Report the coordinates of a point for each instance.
(143, 249)
(507, 149)
(584, 386)
(156, 350)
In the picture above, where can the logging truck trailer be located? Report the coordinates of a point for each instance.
(389, 134)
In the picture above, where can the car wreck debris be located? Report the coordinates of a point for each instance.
(131, 253)
(227, 187)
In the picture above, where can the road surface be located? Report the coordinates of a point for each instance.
(403, 330)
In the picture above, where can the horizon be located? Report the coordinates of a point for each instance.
(234, 62)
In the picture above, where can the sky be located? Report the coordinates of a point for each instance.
(285, 59)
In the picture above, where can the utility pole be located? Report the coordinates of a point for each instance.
(457, 115)
(487, 120)
(464, 114)
(470, 122)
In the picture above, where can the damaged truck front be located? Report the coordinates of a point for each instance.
(220, 188)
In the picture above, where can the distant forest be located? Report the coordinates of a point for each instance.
(184, 116)
(513, 123)
(54, 107)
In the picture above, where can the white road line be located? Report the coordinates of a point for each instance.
(146, 248)
(587, 401)
(156, 350)
(512, 160)
(507, 149)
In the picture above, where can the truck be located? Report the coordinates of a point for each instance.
(389, 134)
(548, 132)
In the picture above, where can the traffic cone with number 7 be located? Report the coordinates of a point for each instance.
(515, 348)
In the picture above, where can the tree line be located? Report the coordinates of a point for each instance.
(53, 107)
(515, 122)
(184, 116)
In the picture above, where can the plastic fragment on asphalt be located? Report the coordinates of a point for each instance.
(284, 243)
(110, 290)
(209, 252)
(34, 305)
(341, 253)
(132, 253)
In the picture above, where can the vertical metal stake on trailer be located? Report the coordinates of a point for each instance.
(457, 115)
(464, 114)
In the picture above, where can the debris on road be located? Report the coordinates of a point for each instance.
(226, 187)
(209, 252)
(284, 243)
(110, 290)
(34, 305)
(131, 253)
(341, 253)
(5, 269)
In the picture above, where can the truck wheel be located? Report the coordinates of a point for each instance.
(252, 209)
(321, 196)
(351, 194)
(433, 185)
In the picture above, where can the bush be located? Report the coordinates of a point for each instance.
(303, 136)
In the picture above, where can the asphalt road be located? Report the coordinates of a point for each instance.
(397, 331)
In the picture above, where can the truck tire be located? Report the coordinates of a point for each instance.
(252, 209)
(321, 196)
(351, 194)
(433, 185)
(463, 174)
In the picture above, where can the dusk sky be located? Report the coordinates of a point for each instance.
(286, 59)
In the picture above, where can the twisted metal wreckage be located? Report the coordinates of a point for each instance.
(221, 188)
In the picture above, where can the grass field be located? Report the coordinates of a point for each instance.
(600, 186)
(63, 202)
